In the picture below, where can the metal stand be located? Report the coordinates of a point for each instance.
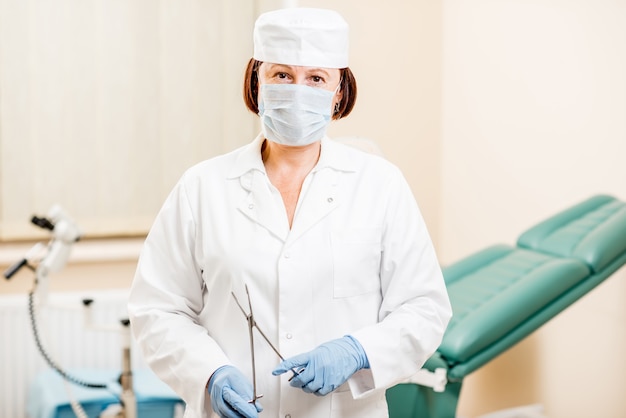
(51, 258)
(128, 401)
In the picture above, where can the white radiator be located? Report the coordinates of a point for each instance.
(63, 334)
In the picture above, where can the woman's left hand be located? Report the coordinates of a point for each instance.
(327, 367)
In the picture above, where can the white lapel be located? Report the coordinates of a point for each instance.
(261, 207)
(320, 199)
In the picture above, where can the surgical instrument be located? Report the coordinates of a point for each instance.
(252, 324)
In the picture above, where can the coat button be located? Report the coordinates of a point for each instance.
(289, 336)
(330, 200)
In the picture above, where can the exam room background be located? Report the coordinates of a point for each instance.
(499, 113)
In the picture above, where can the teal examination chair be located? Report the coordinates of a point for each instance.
(503, 293)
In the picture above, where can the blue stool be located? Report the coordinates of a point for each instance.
(48, 397)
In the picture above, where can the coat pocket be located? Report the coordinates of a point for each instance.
(356, 261)
(343, 406)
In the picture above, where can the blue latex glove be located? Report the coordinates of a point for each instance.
(230, 394)
(327, 367)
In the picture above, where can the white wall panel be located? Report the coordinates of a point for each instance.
(104, 103)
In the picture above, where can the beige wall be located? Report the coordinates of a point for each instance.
(499, 114)
(94, 264)
(534, 103)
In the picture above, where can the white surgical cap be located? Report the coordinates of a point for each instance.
(302, 36)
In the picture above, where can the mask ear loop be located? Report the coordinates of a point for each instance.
(337, 105)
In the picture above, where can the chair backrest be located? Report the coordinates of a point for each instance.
(593, 231)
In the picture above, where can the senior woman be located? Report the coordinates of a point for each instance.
(319, 246)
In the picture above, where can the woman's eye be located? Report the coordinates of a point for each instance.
(282, 76)
(317, 79)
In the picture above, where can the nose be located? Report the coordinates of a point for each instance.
(300, 79)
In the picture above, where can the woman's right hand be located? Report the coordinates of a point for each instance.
(231, 393)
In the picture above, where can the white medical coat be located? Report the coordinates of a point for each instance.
(357, 260)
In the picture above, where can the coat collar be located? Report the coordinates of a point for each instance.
(321, 194)
(248, 159)
(333, 155)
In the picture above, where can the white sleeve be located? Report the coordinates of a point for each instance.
(165, 300)
(415, 308)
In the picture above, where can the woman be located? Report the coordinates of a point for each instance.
(327, 243)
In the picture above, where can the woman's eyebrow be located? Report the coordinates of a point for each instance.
(309, 71)
(317, 71)
(277, 67)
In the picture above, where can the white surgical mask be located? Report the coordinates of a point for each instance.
(294, 114)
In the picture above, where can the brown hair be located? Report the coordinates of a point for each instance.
(251, 90)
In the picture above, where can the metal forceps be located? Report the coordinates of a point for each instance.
(252, 324)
